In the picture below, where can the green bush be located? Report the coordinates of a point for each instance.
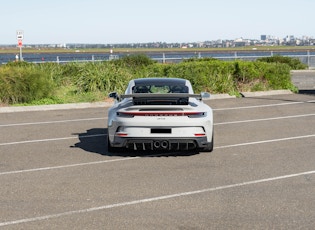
(104, 76)
(279, 77)
(227, 77)
(294, 63)
(194, 59)
(78, 82)
(22, 82)
(134, 61)
(212, 76)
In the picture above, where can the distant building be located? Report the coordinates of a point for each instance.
(263, 37)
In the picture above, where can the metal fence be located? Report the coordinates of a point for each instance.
(307, 58)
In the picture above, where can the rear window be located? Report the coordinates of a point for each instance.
(160, 88)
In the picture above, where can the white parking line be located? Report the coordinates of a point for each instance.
(261, 106)
(53, 122)
(104, 118)
(132, 158)
(265, 119)
(51, 139)
(98, 135)
(152, 199)
(266, 141)
(67, 166)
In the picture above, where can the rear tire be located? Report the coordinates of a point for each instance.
(209, 148)
(112, 149)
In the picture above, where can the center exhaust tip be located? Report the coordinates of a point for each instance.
(164, 144)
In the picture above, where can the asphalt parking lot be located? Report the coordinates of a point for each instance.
(55, 172)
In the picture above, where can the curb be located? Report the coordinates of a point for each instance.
(11, 109)
(265, 93)
(220, 96)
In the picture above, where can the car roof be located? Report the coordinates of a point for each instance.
(170, 81)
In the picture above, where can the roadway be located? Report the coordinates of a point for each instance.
(55, 172)
(304, 80)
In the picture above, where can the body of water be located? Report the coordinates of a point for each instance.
(307, 57)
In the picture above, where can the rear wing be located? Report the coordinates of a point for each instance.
(161, 99)
(160, 95)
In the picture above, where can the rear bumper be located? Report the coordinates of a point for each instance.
(160, 143)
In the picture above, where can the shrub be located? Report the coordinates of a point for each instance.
(134, 61)
(279, 77)
(24, 82)
(207, 59)
(293, 63)
(212, 75)
(105, 77)
(20, 83)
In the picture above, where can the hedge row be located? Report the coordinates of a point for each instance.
(24, 82)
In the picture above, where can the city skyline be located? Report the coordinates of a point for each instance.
(141, 21)
(264, 40)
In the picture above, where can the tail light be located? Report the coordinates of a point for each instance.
(161, 113)
(200, 134)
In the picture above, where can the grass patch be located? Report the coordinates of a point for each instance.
(50, 83)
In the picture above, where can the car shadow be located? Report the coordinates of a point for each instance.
(95, 141)
(307, 91)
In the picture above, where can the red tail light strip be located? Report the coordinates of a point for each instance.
(158, 113)
(122, 134)
(200, 134)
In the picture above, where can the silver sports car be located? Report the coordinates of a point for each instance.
(160, 114)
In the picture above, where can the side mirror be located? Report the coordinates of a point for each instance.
(114, 95)
(205, 95)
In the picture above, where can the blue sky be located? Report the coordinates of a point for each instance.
(137, 21)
